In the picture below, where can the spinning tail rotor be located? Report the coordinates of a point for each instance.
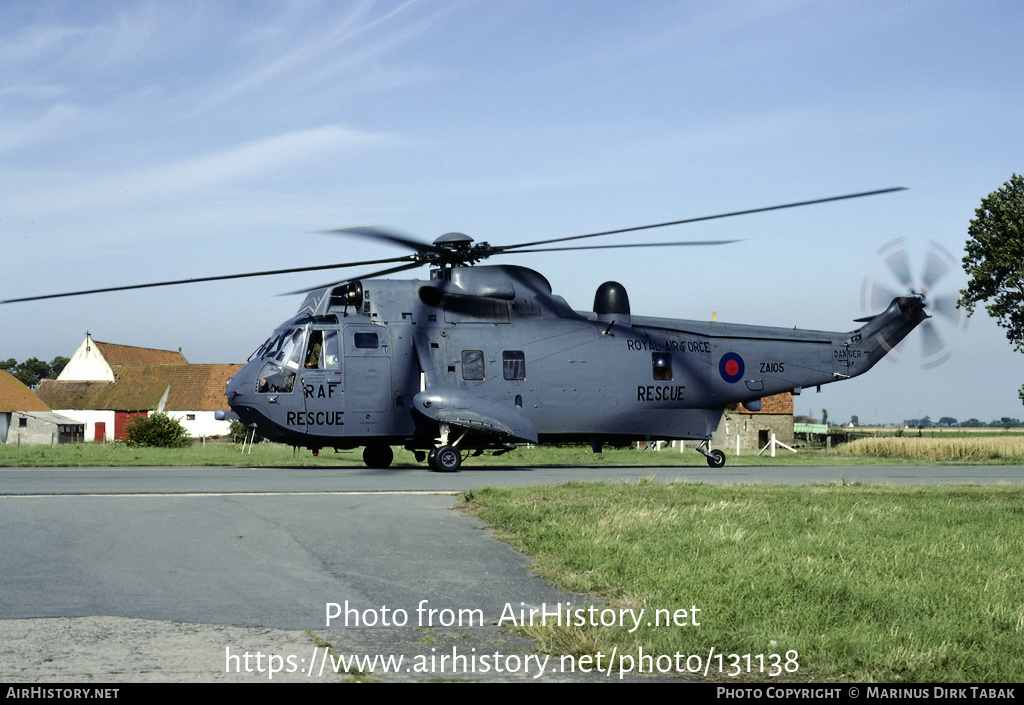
(941, 309)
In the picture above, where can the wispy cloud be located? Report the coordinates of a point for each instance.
(337, 46)
(199, 175)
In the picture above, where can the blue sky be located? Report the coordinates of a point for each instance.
(144, 141)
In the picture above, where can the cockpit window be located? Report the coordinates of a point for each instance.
(315, 349)
(274, 379)
(322, 350)
(284, 346)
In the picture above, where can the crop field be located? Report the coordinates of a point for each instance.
(941, 449)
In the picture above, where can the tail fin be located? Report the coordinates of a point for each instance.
(883, 332)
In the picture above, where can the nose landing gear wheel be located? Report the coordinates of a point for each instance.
(716, 459)
(444, 459)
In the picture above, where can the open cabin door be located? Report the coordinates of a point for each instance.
(323, 391)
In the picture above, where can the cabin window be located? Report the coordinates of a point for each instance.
(662, 364)
(365, 341)
(513, 364)
(473, 364)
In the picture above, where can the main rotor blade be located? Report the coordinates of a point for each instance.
(513, 248)
(223, 277)
(374, 232)
(694, 243)
(371, 275)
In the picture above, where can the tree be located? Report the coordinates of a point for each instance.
(995, 260)
(32, 371)
(157, 429)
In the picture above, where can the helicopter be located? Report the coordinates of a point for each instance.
(479, 358)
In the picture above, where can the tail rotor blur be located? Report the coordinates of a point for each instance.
(940, 308)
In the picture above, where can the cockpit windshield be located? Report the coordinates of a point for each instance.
(281, 355)
(283, 346)
(286, 342)
(287, 350)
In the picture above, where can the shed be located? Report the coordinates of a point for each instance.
(26, 419)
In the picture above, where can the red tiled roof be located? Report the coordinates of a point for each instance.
(15, 396)
(69, 395)
(138, 388)
(125, 355)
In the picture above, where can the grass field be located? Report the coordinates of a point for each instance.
(1000, 448)
(817, 582)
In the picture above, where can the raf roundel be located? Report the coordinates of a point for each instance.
(731, 367)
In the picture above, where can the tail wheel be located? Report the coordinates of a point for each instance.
(716, 459)
(445, 459)
(378, 456)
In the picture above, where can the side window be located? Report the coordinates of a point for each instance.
(322, 350)
(513, 364)
(331, 355)
(662, 364)
(365, 341)
(473, 364)
(314, 351)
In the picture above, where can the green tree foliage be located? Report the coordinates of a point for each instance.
(995, 260)
(157, 429)
(32, 371)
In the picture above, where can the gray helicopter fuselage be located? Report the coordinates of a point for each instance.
(492, 352)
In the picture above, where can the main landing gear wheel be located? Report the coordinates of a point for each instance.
(444, 459)
(716, 459)
(378, 456)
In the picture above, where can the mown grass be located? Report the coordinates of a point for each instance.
(865, 583)
(1005, 449)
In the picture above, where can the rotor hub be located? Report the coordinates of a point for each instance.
(456, 242)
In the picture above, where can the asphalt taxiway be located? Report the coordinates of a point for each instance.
(175, 574)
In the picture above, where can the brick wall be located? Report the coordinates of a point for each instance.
(754, 428)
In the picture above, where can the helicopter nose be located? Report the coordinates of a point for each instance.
(240, 386)
(231, 393)
(231, 390)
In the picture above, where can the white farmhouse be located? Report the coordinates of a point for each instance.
(105, 385)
